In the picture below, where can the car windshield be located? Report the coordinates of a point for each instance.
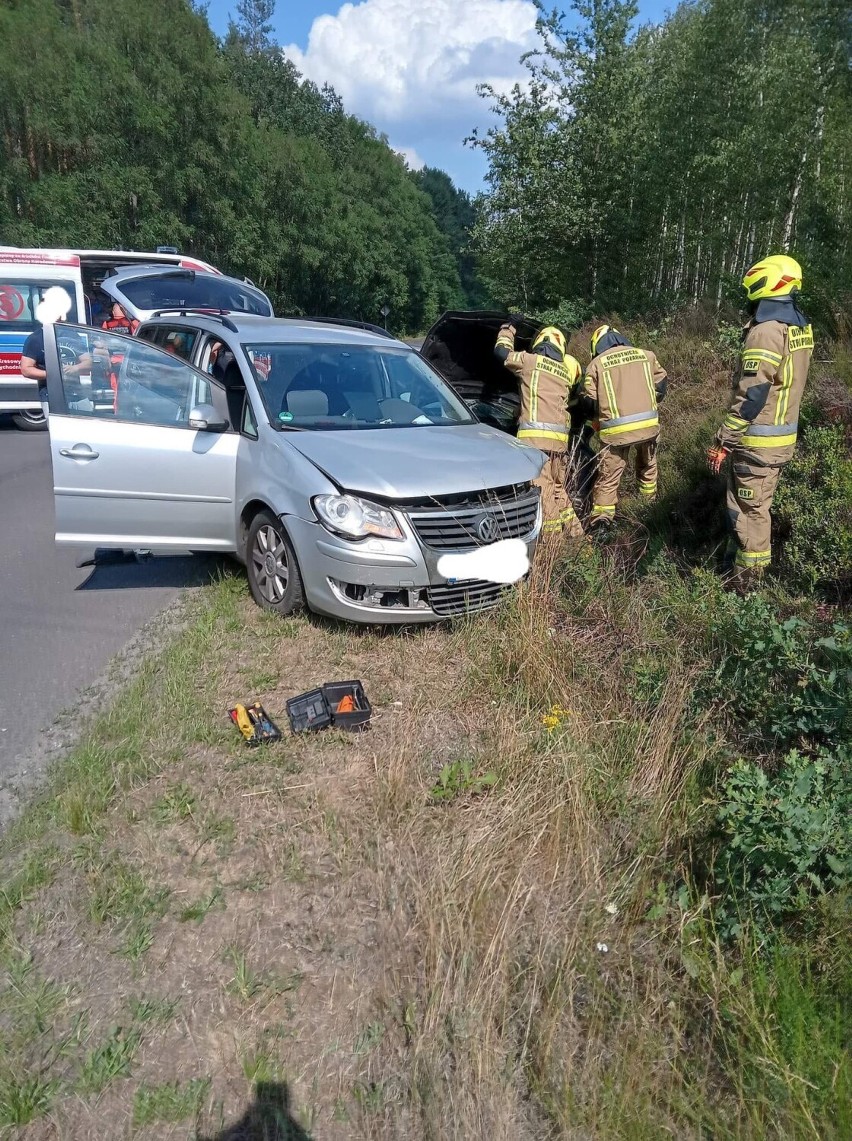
(335, 387)
(179, 289)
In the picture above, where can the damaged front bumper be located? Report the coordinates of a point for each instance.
(387, 581)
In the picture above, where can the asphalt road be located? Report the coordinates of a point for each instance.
(59, 625)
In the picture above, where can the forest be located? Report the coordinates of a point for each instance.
(136, 127)
(644, 167)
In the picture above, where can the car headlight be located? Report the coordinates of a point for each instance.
(356, 518)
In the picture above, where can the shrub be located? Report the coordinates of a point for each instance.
(814, 509)
(786, 838)
(570, 313)
(783, 683)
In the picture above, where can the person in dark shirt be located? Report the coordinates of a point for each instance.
(32, 358)
(53, 307)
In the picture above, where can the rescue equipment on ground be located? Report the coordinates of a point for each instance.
(254, 723)
(336, 704)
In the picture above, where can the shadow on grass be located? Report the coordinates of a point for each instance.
(268, 1118)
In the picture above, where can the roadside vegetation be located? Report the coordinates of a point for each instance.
(645, 164)
(586, 876)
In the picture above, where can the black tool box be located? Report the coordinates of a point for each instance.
(317, 709)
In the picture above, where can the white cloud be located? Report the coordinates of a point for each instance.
(411, 67)
(412, 158)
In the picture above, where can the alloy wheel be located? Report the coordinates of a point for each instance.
(269, 560)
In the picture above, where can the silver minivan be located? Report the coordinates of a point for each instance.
(329, 458)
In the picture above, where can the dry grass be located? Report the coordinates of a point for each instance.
(206, 918)
(185, 923)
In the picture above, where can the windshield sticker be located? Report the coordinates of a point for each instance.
(285, 416)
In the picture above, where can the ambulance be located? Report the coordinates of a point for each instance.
(25, 274)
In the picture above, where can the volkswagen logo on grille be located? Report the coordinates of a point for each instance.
(488, 529)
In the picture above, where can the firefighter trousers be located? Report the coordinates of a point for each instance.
(558, 514)
(751, 489)
(611, 464)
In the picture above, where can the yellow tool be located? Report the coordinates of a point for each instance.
(243, 722)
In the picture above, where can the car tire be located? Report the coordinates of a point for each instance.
(30, 421)
(274, 577)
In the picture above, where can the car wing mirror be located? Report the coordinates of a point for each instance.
(205, 418)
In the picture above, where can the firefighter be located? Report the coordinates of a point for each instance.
(759, 431)
(547, 374)
(621, 390)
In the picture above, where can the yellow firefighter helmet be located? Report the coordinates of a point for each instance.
(775, 276)
(598, 336)
(552, 335)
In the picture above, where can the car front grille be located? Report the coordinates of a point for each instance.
(465, 597)
(460, 523)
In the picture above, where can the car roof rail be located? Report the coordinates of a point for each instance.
(349, 323)
(189, 311)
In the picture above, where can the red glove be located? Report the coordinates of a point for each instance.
(716, 456)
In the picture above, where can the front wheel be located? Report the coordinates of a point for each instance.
(273, 573)
(30, 421)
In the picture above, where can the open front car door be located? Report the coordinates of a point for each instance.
(143, 454)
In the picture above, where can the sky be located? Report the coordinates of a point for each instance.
(411, 67)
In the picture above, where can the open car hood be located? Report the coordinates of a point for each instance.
(418, 463)
(460, 345)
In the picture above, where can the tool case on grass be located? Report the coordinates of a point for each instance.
(318, 708)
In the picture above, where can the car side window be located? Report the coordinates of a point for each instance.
(249, 425)
(150, 333)
(126, 378)
(175, 339)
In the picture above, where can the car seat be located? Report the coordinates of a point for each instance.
(319, 379)
(306, 402)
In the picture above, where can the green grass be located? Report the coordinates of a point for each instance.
(23, 1099)
(248, 984)
(170, 1102)
(28, 1001)
(369, 1038)
(34, 872)
(789, 1034)
(178, 803)
(110, 1060)
(197, 911)
(127, 744)
(219, 830)
(260, 1065)
(156, 1011)
(121, 898)
(245, 983)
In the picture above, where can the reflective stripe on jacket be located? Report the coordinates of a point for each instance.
(626, 383)
(764, 412)
(545, 386)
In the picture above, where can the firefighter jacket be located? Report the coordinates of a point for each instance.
(545, 385)
(762, 420)
(622, 387)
